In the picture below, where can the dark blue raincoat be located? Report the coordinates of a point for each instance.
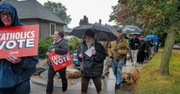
(17, 72)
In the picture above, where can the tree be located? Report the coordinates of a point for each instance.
(84, 21)
(123, 14)
(112, 16)
(158, 17)
(59, 10)
(162, 13)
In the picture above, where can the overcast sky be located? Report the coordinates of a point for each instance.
(93, 9)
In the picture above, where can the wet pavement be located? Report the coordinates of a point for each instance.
(38, 86)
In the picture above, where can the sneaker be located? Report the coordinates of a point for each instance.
(48, 93)
(98, 92)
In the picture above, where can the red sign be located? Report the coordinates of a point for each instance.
(60, 61)
(19, 40)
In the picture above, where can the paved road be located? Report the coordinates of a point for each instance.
(38, 86)
(176, 46)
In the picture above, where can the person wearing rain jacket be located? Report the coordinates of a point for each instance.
(117, 50)
(60, 47)
(15, 72)
(91, 62)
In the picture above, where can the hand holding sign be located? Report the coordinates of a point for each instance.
(53, 50)
(13, 59)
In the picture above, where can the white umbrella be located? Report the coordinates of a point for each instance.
(132, 29)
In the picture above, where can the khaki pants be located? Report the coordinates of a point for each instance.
(106, 66)
(134, 56)
(85, 82)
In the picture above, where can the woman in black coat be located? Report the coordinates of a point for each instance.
(141, 52)
(60, 47)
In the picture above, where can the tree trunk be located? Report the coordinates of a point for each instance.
(164, 67)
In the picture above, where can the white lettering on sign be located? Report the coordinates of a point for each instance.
(17, 35)
(57, 59)
(18, 40)
(28, 43)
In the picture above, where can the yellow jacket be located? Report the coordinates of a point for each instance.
(118, 49)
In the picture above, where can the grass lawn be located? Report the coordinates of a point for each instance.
(151, 82)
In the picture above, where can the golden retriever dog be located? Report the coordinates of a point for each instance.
(131, 77)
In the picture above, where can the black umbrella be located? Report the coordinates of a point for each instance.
(102, 32)
(132, 29)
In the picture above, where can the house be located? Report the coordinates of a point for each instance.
(31, 12)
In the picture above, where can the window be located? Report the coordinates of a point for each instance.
(52, 28)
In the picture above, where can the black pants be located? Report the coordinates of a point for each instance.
(85, 82)
(51, 74)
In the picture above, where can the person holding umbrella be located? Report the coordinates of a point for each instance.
(91, 54)
(117, 50)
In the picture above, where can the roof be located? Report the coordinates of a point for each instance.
(32, 9)
(67, 29)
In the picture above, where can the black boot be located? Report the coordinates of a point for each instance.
(117, 86)
(64, 87)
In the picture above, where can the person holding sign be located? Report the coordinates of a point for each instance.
(91, 54)
(60, 47)
(15, 72)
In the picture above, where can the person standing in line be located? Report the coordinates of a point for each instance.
(92, 62)
(141, 51)
(151, 47)
(147, 49)
(15, 72)
(156, 45)
(117, 50)
(59, 46)
(106, 61)
(134, 45)
(128, 41)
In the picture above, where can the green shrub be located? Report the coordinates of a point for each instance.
(73, 43)
(43, 46)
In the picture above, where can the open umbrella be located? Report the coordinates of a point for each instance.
(153, 37)
(102, 32)
(131, 29)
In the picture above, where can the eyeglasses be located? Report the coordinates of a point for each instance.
(5, 14)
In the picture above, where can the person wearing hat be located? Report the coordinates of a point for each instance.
(91, 54)
(15, 72)
(117, 50)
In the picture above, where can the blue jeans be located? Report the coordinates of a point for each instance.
(117, 69)
(22, 88)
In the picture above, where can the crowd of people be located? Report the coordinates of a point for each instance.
(140, 49)
(94, 64)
